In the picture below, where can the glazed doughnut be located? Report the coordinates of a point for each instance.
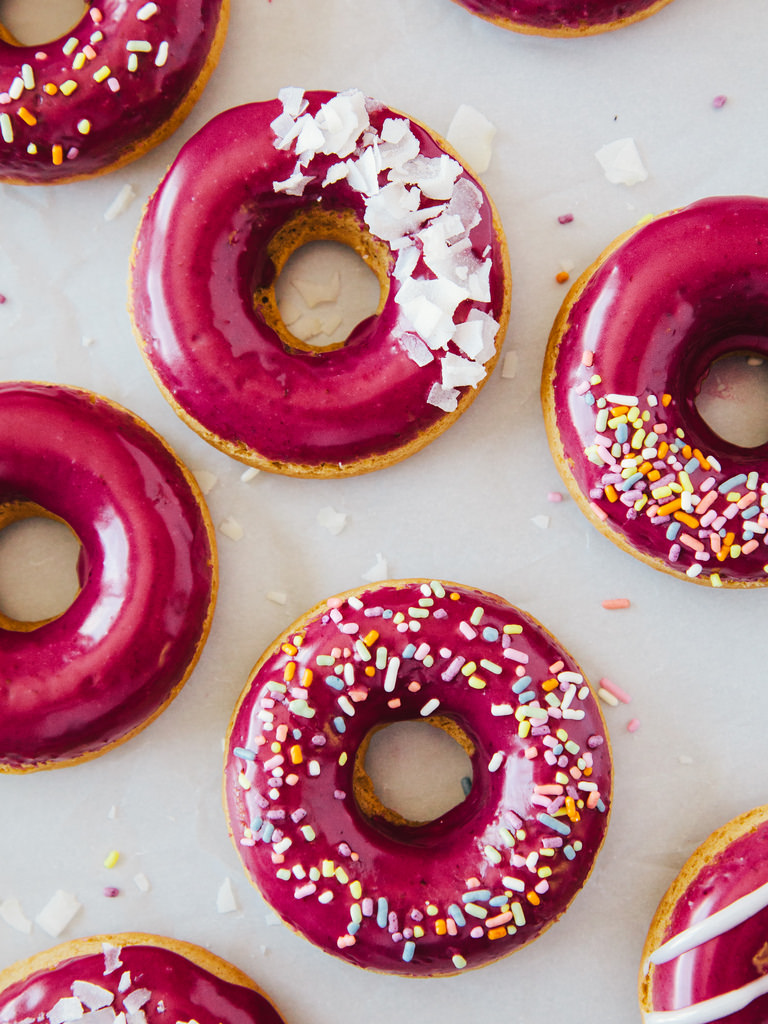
(706, 955)
(254, 185)
(628, 352)
(100, 96)
(131, 976)
(563, 17)
(75, 685)
(352, 876)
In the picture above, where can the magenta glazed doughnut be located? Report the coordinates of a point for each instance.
(563, 17)
(254, 185)
(133, 976)
(75, 685)
(706, 955)
(627, 355)
(117, 84)
(417, 898)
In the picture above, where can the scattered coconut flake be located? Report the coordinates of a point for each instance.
(112, 812)
(206, 480)
(313, 293)
(141, 882)
(378, 572)
(277, 596)
(509, 365)
(471, 134)
(446, 399)
(621, 162)
(415, 349)
(249, 474)
(230, 528)
(94, 997)
(125, 981)
(67, 1008)
(333, 521)
(459, 372)
(13, 915)
(541, 521)
(111, 958)
(134, 1000)
(225, 900)
(120, 203)
(86, 341)
(57, 913)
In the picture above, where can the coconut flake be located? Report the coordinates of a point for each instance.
(621, 162)
(67, 1008)
(446, 399)
(13, 915)
(459, 372)
(111, 957)
(94, 997)
(231, 529)
(206, 481)
(141, 882)
(415, 349)
(333, 521)
(378, 572)
(225, 898)
(277, 596)
(134, 1000)
(509, 366)
(57, 913)
(121, 202)
(472, 135)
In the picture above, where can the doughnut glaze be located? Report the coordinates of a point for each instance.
(715, 920)
(77, 684)
(627, 355)
(135, 976)
(417, 898)
(563, 17)
(256, 183)
(117, 84)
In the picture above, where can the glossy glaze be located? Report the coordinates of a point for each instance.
(430, 898)
(724, 963)
(665, 303)
(557, 17)
(176, 988)
(83, 103)
(115, 657)
(278, 405)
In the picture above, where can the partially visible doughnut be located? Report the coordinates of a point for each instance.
(706, 954)
(131, 976)
(120, 82)
(630, 347)
(563, 17)
(75, 685)
(352, 876)
(250, 188)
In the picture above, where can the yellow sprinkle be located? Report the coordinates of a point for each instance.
(370, 639)
(79, 62)
(476, 682)
(513, 628)
(111, 859)
(102, 74)
(84, 126)
(356, 889)
(342, 876)
(68, 87)
(715, 580)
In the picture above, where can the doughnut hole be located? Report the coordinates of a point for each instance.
(412, 773)
(36, 22)
(733, 394)
(330, 277)
(39, 559)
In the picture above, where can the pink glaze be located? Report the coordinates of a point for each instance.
(489, 875)
(722, 964)
(563, 16)
(175, 989)
(201, 253)
(116, 656)
(683, 290)
(80, 104)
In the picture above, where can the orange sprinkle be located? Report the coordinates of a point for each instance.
(665, 400)
(645, 468)
(663, 449)
(562, 276)
(688, 519)
(440, 928)
(703, 461)
(533, 898)
(51, 88)
(306, 677)
(549, 684)
(289, 672)
(610, 493)
(497, 933)
(289, 649)
(670, 506)
(570, 809)
(27, 117)
(654, 475)
(57, 155)
(296, 755)
(371, 638)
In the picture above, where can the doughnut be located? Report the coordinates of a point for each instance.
(418, 898)
(563, 17)
(706, 954)
(106, 979)
(75, 685)
(249, 189)
(629, 350)
(120, 82)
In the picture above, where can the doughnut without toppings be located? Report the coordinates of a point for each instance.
(115, 86)
(417, 898)
(253, 186)
(706, 954)
(77, 684)
(627, 355)
(108, 979)
(563, 17)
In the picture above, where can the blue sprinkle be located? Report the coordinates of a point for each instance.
(339, 724)
(521, 684)
(466, 785)
(256, 823)
(692, 465)
(387, 613)
(498, 901)
(246, 755)
(409, 650)
(455, 911)
(526, 697)
(751, 512)
(491, 634)
(557, 749)
(266, 835)
(735, 481)
(297, 734)
(408, 950)
(570, 853)
(335, 683)
(557, 826)
(630, 482)
(622, 433)
(353, 928)
(476, 896)
(589, 398)
(600, 805)
(382, 912)
(673, 529)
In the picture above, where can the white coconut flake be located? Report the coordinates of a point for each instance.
(292, 99)
(541, 521)
(120, 203)
(111, 957)
(277, 596)
(225, 898)
(249, 474)
(378, 572)
(415, 349)
(134, 1000)
(67, 1008)
(231, 529)
(621, 162)
(57, 913)
(125, 982)
(94, 997)
(459, 372)
(471, 134)
(446, 399)
(509, 365)
(13, 915)
(105, 1015)
(313, 293)
(141, 882)
(205, 480)
(331, 520)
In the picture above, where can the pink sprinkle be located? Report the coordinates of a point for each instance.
(565, 218)
(41, 55)
(587, 357)
(633, 725)
(554, 496)
(616, 602)
(719, 101)
(617, 692)
(334, 602)
(601, 514)
(2, 299)
(110, 892)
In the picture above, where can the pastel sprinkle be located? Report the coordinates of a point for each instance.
(613, 604)
(111, 859)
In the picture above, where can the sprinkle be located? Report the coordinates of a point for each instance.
(102, 74)
(617, 692)
(146, 12)
(633, 725)
(496, 761)
(429, 707)
(719, 101)
(111, 859)
(6, 128)
(615, 603)
(68, 87)
(565, 218)
(557, 826)
(162, 54)
(562, 276)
